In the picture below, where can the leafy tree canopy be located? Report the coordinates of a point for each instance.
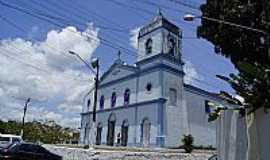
(247, 49)
(46, 132)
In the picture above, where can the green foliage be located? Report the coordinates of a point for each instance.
(213, 116)
(201, 147)
(248, 50)
(188, 143)
(47, 132)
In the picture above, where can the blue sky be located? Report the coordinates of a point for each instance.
(114, 19)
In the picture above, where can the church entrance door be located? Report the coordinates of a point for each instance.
(86, 134)
(99, 131)
(146, 132)
(124, 133)
(111, 130)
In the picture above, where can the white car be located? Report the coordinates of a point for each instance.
(7, 139)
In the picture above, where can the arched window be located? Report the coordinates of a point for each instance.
(126, 97)
(145, 132)
(148, 46)
(88, 104)
(148, 87)
(113, 99)
(173, 97)
(101, 102)
(171, 45)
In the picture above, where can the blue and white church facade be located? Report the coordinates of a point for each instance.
(148, 103)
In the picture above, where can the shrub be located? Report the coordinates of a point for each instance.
(188, 143)
(86, 147)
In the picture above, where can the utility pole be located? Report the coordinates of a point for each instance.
(24, 114)
(95, 65)
(96, 90)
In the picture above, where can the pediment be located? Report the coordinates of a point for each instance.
(117, 71)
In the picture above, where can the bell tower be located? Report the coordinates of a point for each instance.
(159, 37)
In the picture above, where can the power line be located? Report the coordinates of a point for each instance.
(167, 8)
(82, 9)
(53, 4)
(20, 61)
(82, 18)
(43, 70)
(134, 8)
(157, 5)
(151, 3)
(109, 44)
(33, 66)
(90, 36)
(185, 4)
(23, 30)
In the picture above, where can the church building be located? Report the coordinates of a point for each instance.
(148, 104)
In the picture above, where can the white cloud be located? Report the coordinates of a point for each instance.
(46, 72)
(70, 108)
(191, 74)
(134, 33)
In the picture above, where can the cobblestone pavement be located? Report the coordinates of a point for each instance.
(128, 154)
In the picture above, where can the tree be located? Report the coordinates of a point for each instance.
(48, 132)
(247, 49)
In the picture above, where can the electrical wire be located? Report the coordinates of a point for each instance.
(58, 25)
(89, 36)
(185, 4)
(82, 19)
(24, 51)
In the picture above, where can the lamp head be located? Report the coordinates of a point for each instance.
(189, 17)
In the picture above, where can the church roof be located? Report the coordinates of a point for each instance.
(159, 21)
(201, 91)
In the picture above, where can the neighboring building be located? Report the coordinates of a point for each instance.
(148, 103)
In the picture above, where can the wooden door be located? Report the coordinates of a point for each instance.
(110, 134)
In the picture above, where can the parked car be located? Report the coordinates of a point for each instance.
(7, 139)
(27, 151)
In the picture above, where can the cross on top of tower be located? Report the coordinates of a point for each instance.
(118, 59)
(119, 55)
(159, 13)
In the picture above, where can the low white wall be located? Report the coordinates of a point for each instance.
(231, 136)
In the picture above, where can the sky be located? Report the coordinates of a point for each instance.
(34, 57)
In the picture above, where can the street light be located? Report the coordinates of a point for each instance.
(95, 64)
(191, 17)
(78, 56)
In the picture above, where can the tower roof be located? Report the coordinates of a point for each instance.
(157, 22)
